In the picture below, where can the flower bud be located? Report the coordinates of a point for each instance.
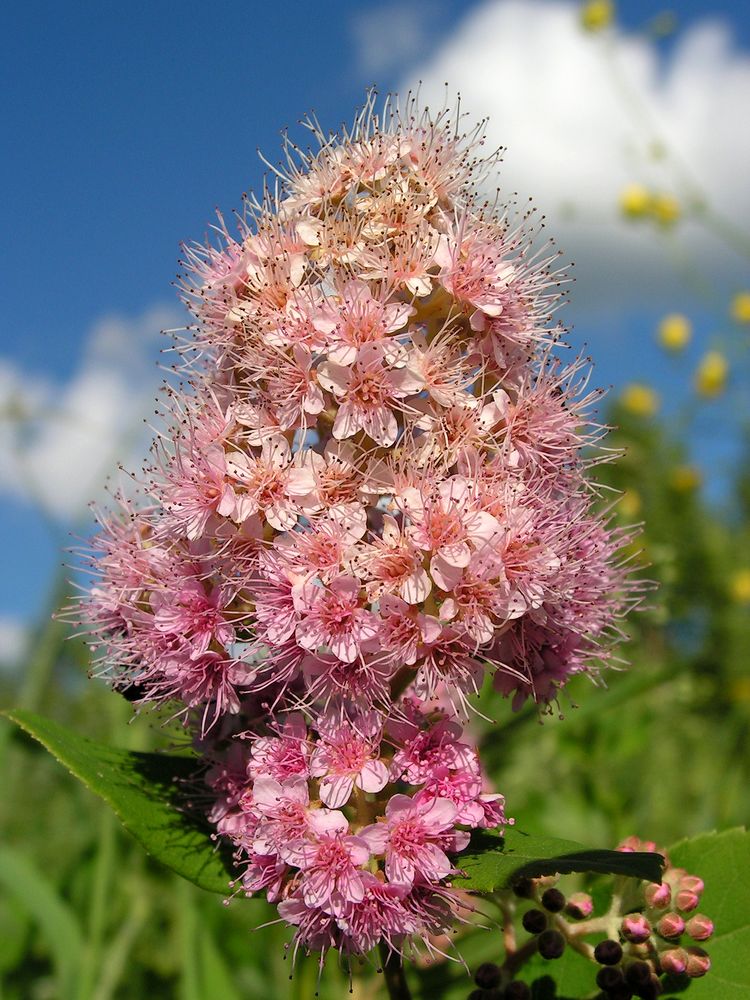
(517, 990)
(698, 962)
(608, 952)
(674, 962)
(658, 897)
(700, 927)
(487, 975)
(638, 974)
(534, 921)
(553, 900)
(580, 906)
(686, 900)
(671, 925)
(551, 944)
(692, 883)
(635, 928)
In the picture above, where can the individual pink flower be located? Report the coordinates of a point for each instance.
(197, 488)
(365, 320)
(412, 838)
(195, 616)
(391, 563)
(423, 751)
(282, 756)
(285, 817)
(475, 271)
(272, 482)
(449, 524)
(379, 916)
(331, 870)
(368, 392)
(404, 630)
(333, 617)
(347, 756)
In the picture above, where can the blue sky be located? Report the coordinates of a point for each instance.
(127, 124)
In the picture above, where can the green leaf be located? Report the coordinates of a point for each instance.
(147, 792)
(494, 861)
(722, 860)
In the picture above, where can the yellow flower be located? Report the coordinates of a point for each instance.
(739, 689)
(739, 586)
(711, 374)
(741, 307)
(635, 201)
(630, 504)
(685, 479)
(674, 332)
(597, 14)
(640, 400)
(665, 209)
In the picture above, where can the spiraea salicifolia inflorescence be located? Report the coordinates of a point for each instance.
(370, 495)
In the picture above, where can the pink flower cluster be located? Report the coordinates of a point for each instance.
(304, 807)
(371, 492)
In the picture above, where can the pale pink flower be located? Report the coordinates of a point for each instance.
(282, 756)
(333, 617)
(365, 320)
(449, 524)
(198, 488)
(412, 838)
(347, 756)
(272, 482)
(368, 392)
(331, 871)
(285, 817)
(474, 270)
(391, 563)
(404, 630)
(195, 616)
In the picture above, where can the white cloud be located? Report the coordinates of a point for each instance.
(391, 34)
(58, 442)
(14, 640)
(574, 140)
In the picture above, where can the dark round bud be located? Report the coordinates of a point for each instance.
(551, 944)
(553, 900)
(524, 888)
(608, 977)
(517, 991)
(487, 975)
(608, 952)
(476, 995)
(650, 990)
(638, 974)
(534, 921)
(621, 992)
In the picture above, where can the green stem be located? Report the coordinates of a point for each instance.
(393, 970)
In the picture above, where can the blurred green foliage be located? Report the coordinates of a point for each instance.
(661, 751)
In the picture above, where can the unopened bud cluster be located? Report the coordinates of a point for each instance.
(654, 933)
(370, 495)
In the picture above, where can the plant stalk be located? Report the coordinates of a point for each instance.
(393, 970)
